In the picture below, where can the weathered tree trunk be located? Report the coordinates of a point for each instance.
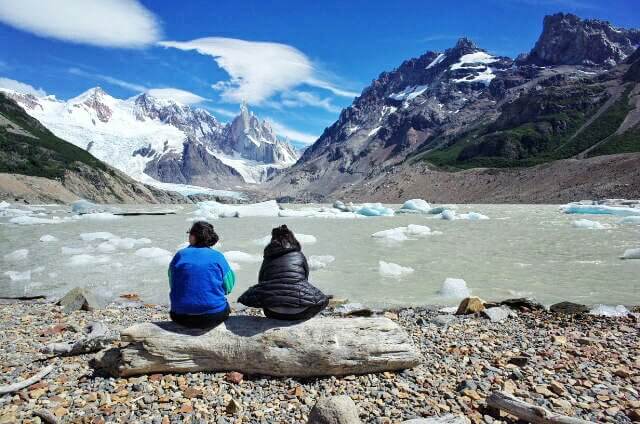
(527, 412)
(253, 345)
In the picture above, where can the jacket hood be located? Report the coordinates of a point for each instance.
(275, 249)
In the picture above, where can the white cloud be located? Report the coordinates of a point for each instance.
(223, 112)
(21, 87)
(106, 23)
(258, 70)
(177, 95)
(291, 134)
(304, 98)
(328, 86)
(106, 78)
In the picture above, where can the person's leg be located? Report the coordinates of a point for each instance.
(201, 321)
(308, 313)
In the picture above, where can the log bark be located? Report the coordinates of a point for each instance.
(254, 345)
(27, 382)
(527, 412)
(97, 339)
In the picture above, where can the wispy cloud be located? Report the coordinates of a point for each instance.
(439, 37)
(222, 112)
(21, 87)
(292, 134)
(257, 70)
(304, 98)
(106, 78)
(176, 94)
(106, 23)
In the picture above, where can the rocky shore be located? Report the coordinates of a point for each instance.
(571, 363)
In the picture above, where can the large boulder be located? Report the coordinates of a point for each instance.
(569, 308)
(78, 299)
(334, 410)
(470, 305)
(254, 345)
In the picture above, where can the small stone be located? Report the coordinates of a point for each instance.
(622, 373)
(234, 377)
(569, 308)
(509, 387)
(298, 391)
(471, 394)
(335, 410)
(165, 419)
(556, 388)
(559, 340)
(78, 299)
(60, 412)
(186, 408)
(542, 390)
(497, 314)
(470, 305)
(155, 377)
(191, 393)
(634, 415)
(519, 361)
(233, 407)
(92, 397)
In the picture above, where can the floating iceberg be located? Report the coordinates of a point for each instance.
(374, 209)
(32, 220)
(403, 233)
(106, 247)
(213, 208)
(302, 238)
(631, 254)
(633, 219)
(18, 255)
(451, 215)
(389, 269)
(317, 213)
(86, 259)
(237, 256)
(317, 262)
(48, 238)
(585, 223)
(76, 250)
(415, 206)
(448, 215)
(4, 205)
(342, 207)
(579, 208)
(126, 243)
(418, 230)
(158, 255)
(83, 206)
(101, 216)
(455, 288)
(99, 235)
(18, 276)
(609, 311)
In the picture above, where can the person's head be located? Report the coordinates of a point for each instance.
(202, 234)
(284, 237)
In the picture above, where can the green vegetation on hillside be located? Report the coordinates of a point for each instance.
(44, 156)
(627, 142)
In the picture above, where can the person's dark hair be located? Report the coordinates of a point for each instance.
(284, 237)
(204, 234)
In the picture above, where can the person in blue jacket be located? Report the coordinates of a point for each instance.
(200, 277)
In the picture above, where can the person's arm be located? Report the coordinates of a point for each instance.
(169, 271)
(228, 277)
(305, 265)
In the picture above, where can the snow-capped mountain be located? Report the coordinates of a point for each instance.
(154, 139)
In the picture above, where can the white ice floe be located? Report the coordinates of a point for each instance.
(76, 250)
(318, 213)
(302, 238)
(83, 206)
(238, 256)
(415, 206)
(106, 247)
(113, 244)
(18, 276)
(156, 254)
(580, 208)
(317, 262)
(4, 204)
(86, 259)
(389, 269)
(18, 255)
(633, 219)
(455, 288)
(101, 216)
(609, 310)
(631, 254)
(451, 215)
(585, 223)
(374, 209)
(403, 233)
(32, 220)
(212, 208)
(47, 238)
(99, 235)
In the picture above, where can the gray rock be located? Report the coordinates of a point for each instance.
(445, 419)
(497, 314)
(569, 308)
(78, 299)
(443, 320)
(334, 410)
(523, 304)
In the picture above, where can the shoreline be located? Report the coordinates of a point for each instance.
(581, 365)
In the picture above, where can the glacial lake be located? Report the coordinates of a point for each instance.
(522, 250)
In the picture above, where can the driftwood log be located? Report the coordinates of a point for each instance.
(97, 339)
(527, 412)
(254, 345)
(10, 388)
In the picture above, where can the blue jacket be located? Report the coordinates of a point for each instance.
(199, 278)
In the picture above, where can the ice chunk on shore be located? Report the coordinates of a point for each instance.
(609, 311)
(47, 238)
(268, 208)
(99, 235)
(374, 209)
(18, 255)
(630, 220)
(317, 262)
(18, 276)
(389, 269)
(86, 259)
(455, 288)
(585, 223)
(631, 254)
(579, 208)
(415, 206)
(238, 256)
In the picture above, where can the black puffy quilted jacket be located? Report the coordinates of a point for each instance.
(283, 281)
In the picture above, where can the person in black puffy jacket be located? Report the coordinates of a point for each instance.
(283, 290)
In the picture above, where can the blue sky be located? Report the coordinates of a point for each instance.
(297, 63)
